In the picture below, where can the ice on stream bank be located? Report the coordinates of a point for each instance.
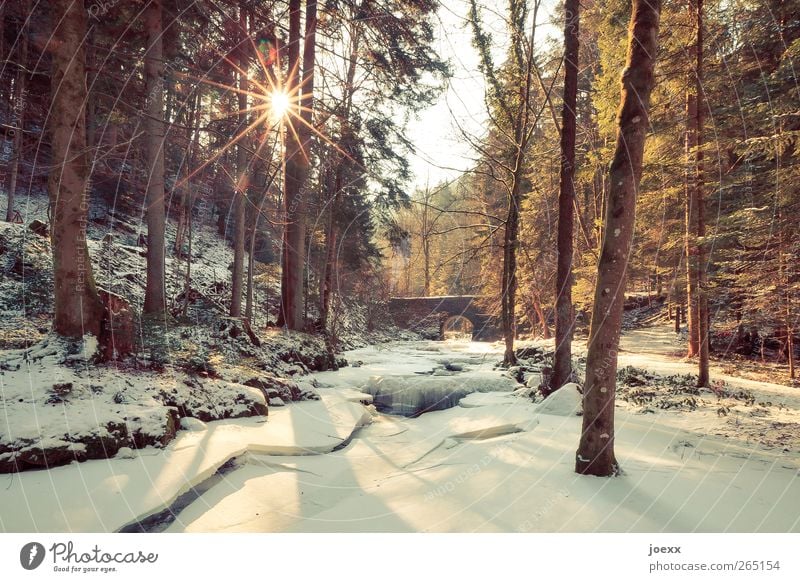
(415, 395)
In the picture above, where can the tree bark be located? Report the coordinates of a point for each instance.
(78, 309)
(692, 261)
(595, 455)
(702, 306)
(155, 293)
(240, 192)
(296, 165)
(20, 97)
(537, 306)
(509, 281)
(562, 364)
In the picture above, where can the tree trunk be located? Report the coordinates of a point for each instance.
(18, 119)
(692, 261)
(155, 294)
(186, 193)
(702, 305)
(240, 193)
(250, 293)
(296, 166)
(562, 363)
(595, 455)
(78, 309)
(509, 281)
(537, 306)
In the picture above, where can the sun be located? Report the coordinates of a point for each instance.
(280, 104)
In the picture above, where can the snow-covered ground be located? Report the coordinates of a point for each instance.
(496, 462)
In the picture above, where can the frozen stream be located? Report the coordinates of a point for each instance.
(397, 383)
(495, 461)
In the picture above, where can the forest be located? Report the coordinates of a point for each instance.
(558, 235)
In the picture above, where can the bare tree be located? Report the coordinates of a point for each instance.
(78, 309)
(515, 121)
(595, 455)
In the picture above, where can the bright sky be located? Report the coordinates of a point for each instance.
(442, 154)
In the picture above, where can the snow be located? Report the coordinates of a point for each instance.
(497, 462)
(563, 402)
(105, 495)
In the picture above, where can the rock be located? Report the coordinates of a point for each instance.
(39, 228)
(273, 386)
(105, 446)
(168, 429)
(47, 457)
(117, 329)
(530, 353)
(193, 424)
(453, 367)
(125, 453)
(533, 380)
(276, 402)
(8, 463)
(63, 389)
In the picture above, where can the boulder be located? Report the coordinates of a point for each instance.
(39, 228)
(274, 387)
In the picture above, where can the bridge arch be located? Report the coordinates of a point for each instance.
(428, 315)
(456, 327)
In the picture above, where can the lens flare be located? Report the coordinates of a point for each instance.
(280, 104)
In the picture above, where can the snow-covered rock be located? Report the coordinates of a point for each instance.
(125, 453)
(566, 401)
(193, 424)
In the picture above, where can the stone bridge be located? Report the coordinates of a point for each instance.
(429, 316)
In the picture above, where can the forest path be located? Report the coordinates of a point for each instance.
(660, 350)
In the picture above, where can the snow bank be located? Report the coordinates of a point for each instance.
(566, 401)
(105, 495)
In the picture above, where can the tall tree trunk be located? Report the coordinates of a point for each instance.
(20, 97)
(334, 190)
(509, 281)
(155, 294)
(537, 306)
(296, 164)
(562, 364)
(692, 264)
(702, 306)
(186, 193)
(331, 238)
(595, 455)
(78, 309)
(240, 193)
